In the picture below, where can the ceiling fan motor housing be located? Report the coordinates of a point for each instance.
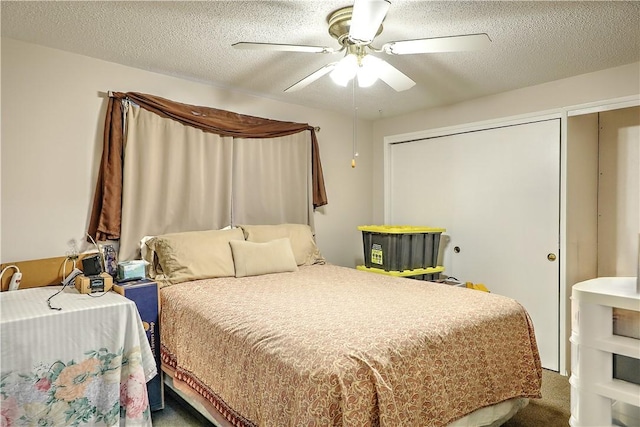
(339, 24)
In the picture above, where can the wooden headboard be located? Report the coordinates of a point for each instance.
(39, 272)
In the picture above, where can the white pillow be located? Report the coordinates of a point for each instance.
(303, 244)
(254, 259)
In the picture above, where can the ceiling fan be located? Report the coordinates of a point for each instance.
(355, 28)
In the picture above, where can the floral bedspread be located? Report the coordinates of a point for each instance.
(333, 346)
(86, 364)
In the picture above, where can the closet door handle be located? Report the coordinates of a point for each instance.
(551, 257)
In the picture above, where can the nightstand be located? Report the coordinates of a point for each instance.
(145, 295)
(77, 356)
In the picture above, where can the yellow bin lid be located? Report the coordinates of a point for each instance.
(405, 273)
(399, 229)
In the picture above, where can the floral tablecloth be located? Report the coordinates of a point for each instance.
(86, 364)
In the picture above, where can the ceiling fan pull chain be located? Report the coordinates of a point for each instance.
(355, 124)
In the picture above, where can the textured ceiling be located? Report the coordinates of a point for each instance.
(532, 42)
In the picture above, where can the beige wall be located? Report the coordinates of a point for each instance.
(618, 192)
(52, 120)
(582, 198)
(587, 88)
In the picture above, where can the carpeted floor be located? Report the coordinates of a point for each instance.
(177, 413)
(553, 410)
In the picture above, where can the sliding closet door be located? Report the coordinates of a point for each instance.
(496, 191)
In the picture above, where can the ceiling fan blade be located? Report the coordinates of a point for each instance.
(393, 77)
(311, 78)
(438, 44)
(283, 47)
(366, 18)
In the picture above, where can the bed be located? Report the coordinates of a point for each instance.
(306, 343)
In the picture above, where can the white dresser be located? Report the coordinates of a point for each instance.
(597, 398)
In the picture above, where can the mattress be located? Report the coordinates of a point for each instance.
(333, 346)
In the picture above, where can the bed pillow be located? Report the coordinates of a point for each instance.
(303, 244)
(254, 259)
(192, 255)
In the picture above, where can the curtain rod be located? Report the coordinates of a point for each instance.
(109, 94)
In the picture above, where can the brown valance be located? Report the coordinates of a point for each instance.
(106, 213)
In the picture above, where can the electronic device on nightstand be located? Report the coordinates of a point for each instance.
(92, 265)
(93, 279)
(102, 282)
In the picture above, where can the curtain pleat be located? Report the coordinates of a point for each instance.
(271, 180)
(176, 178)
(105, 223)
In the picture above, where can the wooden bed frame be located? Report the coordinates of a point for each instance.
(197, 402)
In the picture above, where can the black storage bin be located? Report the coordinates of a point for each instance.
(400, 248)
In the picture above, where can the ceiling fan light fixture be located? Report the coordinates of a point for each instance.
(366, 19)
(368, 71)
(345, 70)
(366, 77)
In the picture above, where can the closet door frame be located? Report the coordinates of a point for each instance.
(472, 171)
(562, 113)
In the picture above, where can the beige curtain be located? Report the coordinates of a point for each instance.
(106, 213)
(176, 178)
(272, 180)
